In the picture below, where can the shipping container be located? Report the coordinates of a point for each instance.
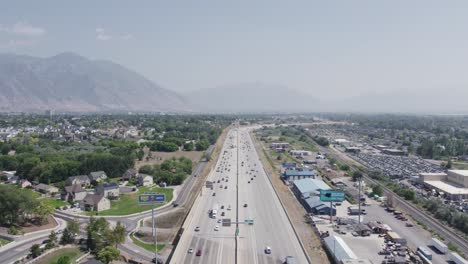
(438, 245)
(454, 257)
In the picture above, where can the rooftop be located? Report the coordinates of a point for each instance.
(339, 248)
(288, 173)
(310, 185)
(447, 187)
(463, 173)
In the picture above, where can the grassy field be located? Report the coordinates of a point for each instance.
(149, 247)
(52, 258)
(128, 203)
(55, 203)
(4, 241)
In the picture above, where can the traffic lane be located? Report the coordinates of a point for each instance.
(20, 251)
(265, 210)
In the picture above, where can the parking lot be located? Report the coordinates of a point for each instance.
(396, 166)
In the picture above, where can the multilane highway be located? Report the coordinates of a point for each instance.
(240, 184)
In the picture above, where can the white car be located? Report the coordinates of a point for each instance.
(219, 221)
(197, 228)
(268, 250)
(190, 251)
(216, 228)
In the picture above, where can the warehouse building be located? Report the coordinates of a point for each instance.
(453, 184)
(293, 175)
(308, 187)
(393, 152)
(338, 249)
(315, 206)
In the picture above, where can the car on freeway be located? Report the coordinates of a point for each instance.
(222, 214)
(214, 194)
(268, 250)
(197, 229)
(219, 221)
(199, 253)
(216, 228)
(225, 187)
(245, 205)
(222, 206)
(221, 186)
(190, 250)
(249, 181)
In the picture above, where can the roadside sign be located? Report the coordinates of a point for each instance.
(237, 231)
(151, 198)
(226, 222)
(332, 196)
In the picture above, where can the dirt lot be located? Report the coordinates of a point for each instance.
(29, 227)
(295, 211)
(157, 157)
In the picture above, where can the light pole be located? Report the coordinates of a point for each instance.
(359, 198)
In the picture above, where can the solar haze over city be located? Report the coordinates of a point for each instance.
(245, 132)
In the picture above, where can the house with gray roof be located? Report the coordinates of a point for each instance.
(97, 176)
(95, 202)
(82, 180)
(73, 193)
(109, 190)
(46, 189)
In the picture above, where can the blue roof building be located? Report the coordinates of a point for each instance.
(289, 165)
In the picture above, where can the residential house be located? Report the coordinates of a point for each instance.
(46, 189)
(8, 174)
(144, 179)
(82, 180)
(109, 190)
(95, 202)
(97, 176)
(24, 184)
(129, 174)
(73, 193)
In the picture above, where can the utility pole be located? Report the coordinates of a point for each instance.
(359, 199)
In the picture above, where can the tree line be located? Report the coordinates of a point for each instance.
(172, 171)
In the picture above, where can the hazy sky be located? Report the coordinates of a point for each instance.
(326, 48)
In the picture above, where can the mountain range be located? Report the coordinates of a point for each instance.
(69, 82)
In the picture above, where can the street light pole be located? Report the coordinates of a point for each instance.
(154, 235)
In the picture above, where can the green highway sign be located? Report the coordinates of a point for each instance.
(249, 221)
(332, 196)
(237, 231)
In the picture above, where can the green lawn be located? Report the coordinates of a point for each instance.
(128, 203)
(52, 258)
(4, 241)
(55, 203)
(149, 247)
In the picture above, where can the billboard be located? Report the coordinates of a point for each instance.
(151, 198)
(332, 196)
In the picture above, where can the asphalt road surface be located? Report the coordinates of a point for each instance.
(253, 199)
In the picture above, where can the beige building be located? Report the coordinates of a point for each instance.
(144, 179)
(454, 183)
(95, 202)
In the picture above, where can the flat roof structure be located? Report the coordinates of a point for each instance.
(338, 248)
(310, 185)
(463, 173)
(447, 188)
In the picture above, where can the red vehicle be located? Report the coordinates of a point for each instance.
(199, 253)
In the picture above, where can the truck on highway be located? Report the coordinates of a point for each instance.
(214, 211)
(290, 260)
(438, 245)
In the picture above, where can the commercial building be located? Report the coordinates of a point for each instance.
(453, 184)
(315, 206)
(300, 153)
(288, 165)
(338, 249)
(293, 175)
(306, 188)
(352, 149)
(279, 145)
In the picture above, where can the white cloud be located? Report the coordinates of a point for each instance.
(126, 37)
(16, 44)
(23, 29)
(102, 35)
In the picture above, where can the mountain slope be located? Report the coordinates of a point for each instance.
(251, 97)
(69, 82)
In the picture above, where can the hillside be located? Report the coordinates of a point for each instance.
(69, 82)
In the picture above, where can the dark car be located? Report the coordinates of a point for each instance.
(199, 253)
(245, 205)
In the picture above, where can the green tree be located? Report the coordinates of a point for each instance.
(43, 210)
(356, 175)
(64, 260)
(52, 240)
(140, 154)
(35, 251)
(377, 189)
(70, 232)
(108, 254)
(188, 146)
(118, 234)
(449, 164)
